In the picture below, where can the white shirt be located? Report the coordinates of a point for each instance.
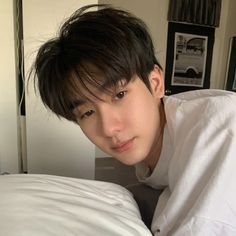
(197, 166)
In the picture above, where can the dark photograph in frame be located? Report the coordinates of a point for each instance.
(231, 68)
(189, 57)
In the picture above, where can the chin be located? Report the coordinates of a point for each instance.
(130, 159)
(128, 162)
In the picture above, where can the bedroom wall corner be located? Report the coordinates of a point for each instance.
(54, 146)
(229, 11)
(223, 34)
(9, 149)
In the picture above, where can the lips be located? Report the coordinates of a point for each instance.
(123, 146)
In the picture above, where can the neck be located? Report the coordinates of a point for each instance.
(155, 152)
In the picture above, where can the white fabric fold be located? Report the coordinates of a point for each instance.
(44, 205)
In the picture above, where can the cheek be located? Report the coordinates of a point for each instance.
(89, 131)
(143, 112)
(94, 136)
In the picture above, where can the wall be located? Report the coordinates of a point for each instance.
(231, 19)
(9, 160)
(226, 30)
(53, 146)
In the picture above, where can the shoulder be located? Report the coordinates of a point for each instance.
(200, 95)
(200, 100)
(203, 93)
(200, 108)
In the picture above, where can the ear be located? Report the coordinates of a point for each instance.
(156, 81)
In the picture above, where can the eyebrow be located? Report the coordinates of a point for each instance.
(78, 103)
(106, 85)
(109, 84)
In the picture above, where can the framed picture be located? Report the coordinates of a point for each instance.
(231, 68)
(189, 57)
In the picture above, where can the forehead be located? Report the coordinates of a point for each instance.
(87, 82)
(88, 86)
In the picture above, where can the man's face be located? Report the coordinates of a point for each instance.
(126, 122)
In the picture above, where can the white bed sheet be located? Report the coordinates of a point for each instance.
(45, 205)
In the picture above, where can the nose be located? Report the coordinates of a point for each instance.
(110, 121)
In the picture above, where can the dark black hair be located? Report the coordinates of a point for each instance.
(111, 40)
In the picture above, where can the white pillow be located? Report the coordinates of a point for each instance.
(45, 205)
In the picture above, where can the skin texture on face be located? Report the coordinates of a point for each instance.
(128, 123)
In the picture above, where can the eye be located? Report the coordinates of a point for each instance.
(120, 95)
(86, 114)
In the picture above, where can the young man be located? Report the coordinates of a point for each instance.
(101, 72)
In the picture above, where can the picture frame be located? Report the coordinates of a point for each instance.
(230, 84)
(189, 57)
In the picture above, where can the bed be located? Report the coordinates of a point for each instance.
(45, 205)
